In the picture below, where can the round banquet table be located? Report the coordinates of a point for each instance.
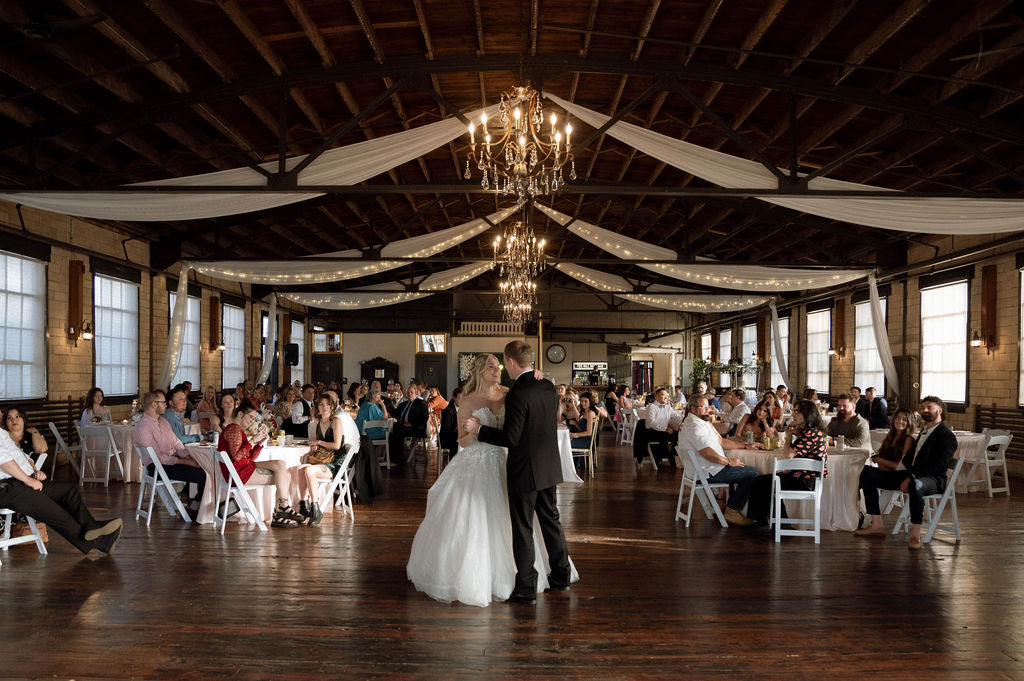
(840, 498)
(96, 436)
(968, 445)
(565, 454)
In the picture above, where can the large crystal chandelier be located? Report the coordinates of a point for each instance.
(519, 258)
(519, 162)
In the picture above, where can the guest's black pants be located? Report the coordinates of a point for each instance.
(58, 505)
(664, 445)
(872, 479)
(759, 507)
(396, 441)
(186, 474)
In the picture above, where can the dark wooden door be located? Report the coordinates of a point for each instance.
(431, 370)
(327, 368)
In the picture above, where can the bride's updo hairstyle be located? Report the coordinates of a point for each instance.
(474, 382)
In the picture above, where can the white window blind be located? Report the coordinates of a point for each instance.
(867, 364)
(748, 353)
(944, 342)
(232, 330)
(116, 309)
(705, 346)
(776, 379)
(819, 326)
(188, 364)
(724, 355)
(299, 338)
(22, 327)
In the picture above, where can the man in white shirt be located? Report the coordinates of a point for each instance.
(662, 423)
(701, 437)
(736, 398)
(784, 399)
(302, 411)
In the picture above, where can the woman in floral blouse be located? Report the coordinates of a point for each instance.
(806, 441)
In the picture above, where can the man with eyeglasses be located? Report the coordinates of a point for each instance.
(153, 431)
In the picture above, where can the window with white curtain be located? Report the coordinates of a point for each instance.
(232, 359)
(867, 363)
(705, 346)
(724, 355)
(22, 327)
(944, 342)
(116, 311)
(776, 379)
(299, 338)
(188, 364)
(819, 326)
(748, 353)
(1020, 345)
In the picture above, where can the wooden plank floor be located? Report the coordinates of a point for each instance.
(656, 600)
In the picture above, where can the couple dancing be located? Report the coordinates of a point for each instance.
(487, 512)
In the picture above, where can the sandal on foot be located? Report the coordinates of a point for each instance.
(285, 517)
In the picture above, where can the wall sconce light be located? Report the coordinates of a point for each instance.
(839, 352)
(87, 331)
(84, 332)
(976, 341)
(221, 346)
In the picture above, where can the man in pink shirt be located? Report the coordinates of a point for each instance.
(153, 431)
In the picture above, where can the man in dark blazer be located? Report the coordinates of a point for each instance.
(879, 410)
(924, 473)
(411, 421)
(448, 433)
(534, 469)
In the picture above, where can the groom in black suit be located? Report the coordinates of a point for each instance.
(534, 469)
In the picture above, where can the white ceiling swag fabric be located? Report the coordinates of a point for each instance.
(780, 357)
(909, 214)
(882, 337)
(270, 346)
(720, 275)
(698, 302)
(346, 165)
(304, 271)
(380, 295)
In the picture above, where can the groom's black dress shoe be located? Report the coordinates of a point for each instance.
(522, 598)
(558, 586)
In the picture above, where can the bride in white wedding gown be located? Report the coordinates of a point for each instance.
(463, 548)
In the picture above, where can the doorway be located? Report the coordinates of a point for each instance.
(430, 369)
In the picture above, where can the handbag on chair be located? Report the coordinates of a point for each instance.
(321, 457)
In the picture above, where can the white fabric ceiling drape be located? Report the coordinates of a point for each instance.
(380, 295)
(882, 336)
(175, 332)
(720, 275)
(780, 358)
(270, 346)
(346, 165)
(697, 302)
(907, 214)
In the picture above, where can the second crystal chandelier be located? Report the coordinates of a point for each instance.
(519, 161)
(519, 258)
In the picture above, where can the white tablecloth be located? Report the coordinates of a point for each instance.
(840, 498)
(968, 444)
(96, 437)
(565, 453)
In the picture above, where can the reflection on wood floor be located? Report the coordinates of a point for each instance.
(655, 601)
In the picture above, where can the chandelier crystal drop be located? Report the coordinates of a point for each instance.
(520, 159)
(519, 258)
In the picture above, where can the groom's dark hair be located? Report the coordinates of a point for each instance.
(520, 352)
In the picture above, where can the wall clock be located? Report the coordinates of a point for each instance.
(555, 353)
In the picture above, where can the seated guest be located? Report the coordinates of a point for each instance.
(207, 405)
(411, 422)
(806, 442)
(326, 436)
(28, 439)
(772, 402)
(625, 400)
(663, 424)
(225, 414)
(811, 394)
(153, 431)
(448, 434)
(924, 472)
(302, 411)
(27, 491)
(879, 414)
(244, 453)
(848, 424)
(611, 400)
(738, 411)
(372, 410)
(353, 393)
(709, 393)
(759, 423)
(385, 400)
(897, 442)
(698, 435)
(96, 410)
(785, 400)
(678, 398)
(349, 430)
(860, 403)
(283, 408)
(190, 405)
(435, 404)
(176, 405)
(581, 428)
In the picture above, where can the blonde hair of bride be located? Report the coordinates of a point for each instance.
(479, 364)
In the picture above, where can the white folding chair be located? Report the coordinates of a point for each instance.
(157, 482)
(417, 442)
(994, 457)
(387, 424)
(648, 459)
(628, 426)
(586, 453)
(696, 478)
(6, 540)
(106, 451)
(934, 505)
(240, 491)
(779, 495)
(342, 483)
(63, 447)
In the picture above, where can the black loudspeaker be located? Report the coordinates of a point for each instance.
(291, 354)
(530, 329)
